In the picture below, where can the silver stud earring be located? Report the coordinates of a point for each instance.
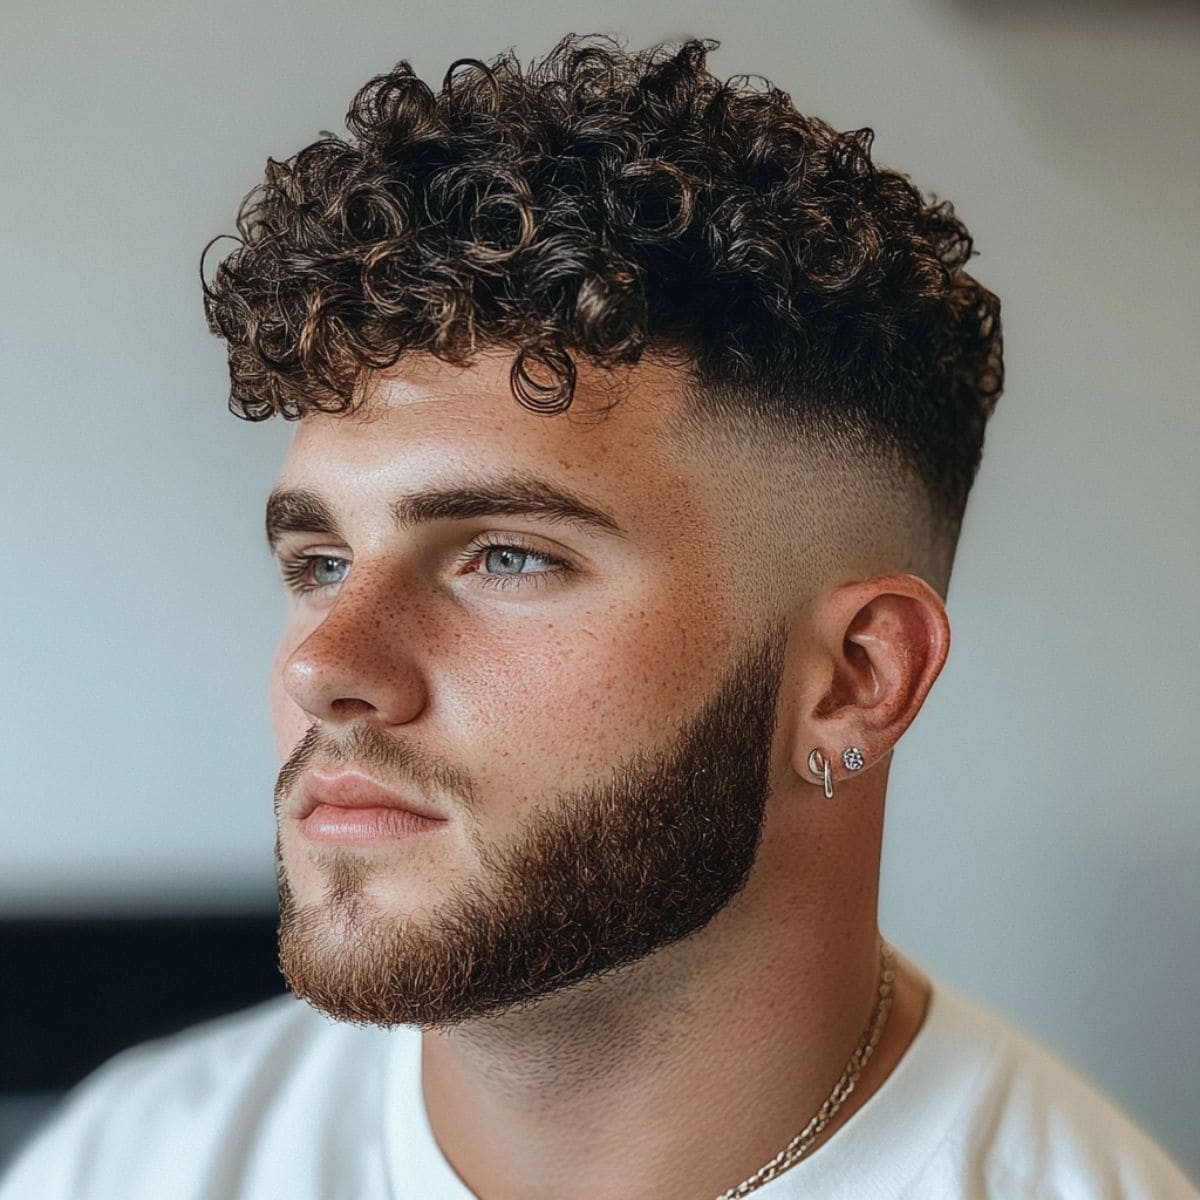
(852, 758)
(818, 764)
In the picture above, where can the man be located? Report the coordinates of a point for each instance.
(637, 416)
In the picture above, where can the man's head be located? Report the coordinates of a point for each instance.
(717, 378)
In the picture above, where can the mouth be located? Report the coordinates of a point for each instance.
(348, 806)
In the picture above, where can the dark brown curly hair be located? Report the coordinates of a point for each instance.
(605, 204)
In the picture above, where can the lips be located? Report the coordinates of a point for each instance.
(352, 789)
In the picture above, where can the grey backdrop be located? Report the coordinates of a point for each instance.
(1043, 819)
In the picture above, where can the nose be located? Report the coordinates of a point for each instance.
(357, 664)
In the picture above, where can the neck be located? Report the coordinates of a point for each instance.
(680, 1075)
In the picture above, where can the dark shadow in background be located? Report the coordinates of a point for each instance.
(1004, 10)
(74, 991)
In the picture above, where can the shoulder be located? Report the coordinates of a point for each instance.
(1032, 1126)
(226, 1100)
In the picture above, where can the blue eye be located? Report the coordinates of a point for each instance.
(500, 556)
(311, 572)
(329, 570)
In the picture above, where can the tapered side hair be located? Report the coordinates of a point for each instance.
(605, 204)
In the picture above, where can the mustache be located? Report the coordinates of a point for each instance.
(393, 762)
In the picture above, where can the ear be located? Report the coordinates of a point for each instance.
(877, 646)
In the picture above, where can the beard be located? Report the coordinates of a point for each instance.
(597, 878)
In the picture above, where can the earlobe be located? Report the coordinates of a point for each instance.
(881, 643)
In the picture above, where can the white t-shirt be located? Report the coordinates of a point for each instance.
(281, 1102)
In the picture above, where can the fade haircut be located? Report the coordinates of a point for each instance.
(609, 204)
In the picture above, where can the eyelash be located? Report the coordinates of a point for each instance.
(295, 568)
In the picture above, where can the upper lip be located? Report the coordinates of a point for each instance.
(353, 789)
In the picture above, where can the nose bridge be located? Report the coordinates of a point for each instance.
(358, 654)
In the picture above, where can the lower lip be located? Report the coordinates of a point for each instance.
(333, 823)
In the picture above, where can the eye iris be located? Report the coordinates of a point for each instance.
(508, 555)
(327, 570)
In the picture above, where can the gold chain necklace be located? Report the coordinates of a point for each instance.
(796, 1149)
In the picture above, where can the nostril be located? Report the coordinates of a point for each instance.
(350, 706)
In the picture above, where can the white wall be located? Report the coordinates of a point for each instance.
(1044, 820)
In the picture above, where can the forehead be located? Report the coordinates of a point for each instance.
(430, 423)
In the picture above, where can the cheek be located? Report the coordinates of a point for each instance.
(562, 703)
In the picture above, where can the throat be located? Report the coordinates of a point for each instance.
(678, 1097)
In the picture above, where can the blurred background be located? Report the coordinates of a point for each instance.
(1043, 816)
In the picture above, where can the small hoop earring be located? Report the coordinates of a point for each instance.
(818, 764)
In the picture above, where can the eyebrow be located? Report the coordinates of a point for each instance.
(299, 510)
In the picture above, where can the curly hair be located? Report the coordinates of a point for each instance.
(608, 204)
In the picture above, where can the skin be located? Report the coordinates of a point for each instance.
(681, 1074)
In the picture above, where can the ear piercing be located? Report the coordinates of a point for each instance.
(818, 764)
